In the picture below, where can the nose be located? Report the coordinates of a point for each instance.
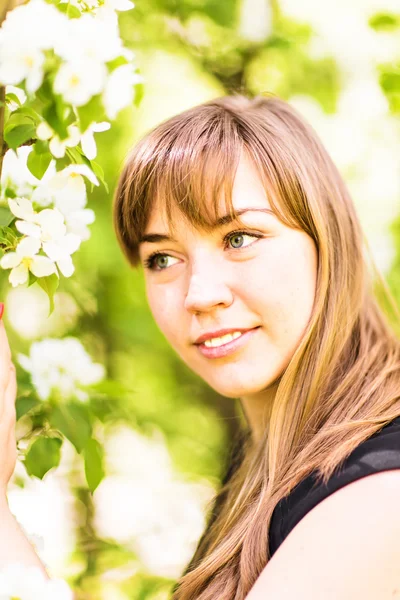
(207, 290)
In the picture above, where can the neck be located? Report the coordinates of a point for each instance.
(257, 409)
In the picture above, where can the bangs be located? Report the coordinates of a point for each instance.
(195, 175)
(187, 166)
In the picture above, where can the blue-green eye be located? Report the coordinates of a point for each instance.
(158, 261)
(154, 264)
(236, 236)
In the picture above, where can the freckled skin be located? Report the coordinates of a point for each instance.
(208, 286)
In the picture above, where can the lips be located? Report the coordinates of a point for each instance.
(219, 333)
(229, 348)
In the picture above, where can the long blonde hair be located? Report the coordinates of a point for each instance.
(343, 381)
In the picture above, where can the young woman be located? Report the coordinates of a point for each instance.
(256, 275)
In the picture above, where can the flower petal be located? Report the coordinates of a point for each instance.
(81, 170)
(57, 147)
(103, 126)
(28, 247)
(66, 266)
(88, 144)
(74, 136)
(25, 362)
(70, 242)
(10, 260)
(55, 251)
(86, 216)
(52, 223)
(42, 266)
(22, 208)
(28, 228)
(44, 131)
(19, 275)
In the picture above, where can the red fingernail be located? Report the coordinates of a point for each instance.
(1, 309)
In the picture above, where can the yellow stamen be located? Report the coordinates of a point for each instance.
(74, 81)
(27, 262)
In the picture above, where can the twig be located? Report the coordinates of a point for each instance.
(2, 141)
(5, 6)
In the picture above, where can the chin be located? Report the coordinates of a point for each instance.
(242, 389)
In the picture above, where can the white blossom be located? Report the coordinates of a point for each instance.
(16, 175)
(57, 146)
(25, 259)
(49, 228)
(120, 5)
(23, 209)
(80, 80)
(255, 20)
(21, 55)
(119, 91)
(155, 513)
(94, 41)
(78, 220)
(67, 190)
(49, 24)
(62, 365)
(21, 582)
(87, 138)
(11, 89)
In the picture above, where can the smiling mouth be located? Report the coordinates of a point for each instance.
(226, 344)
(221, 341)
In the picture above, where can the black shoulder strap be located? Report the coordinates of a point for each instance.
(380, 452)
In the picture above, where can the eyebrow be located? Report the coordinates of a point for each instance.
(153, 238)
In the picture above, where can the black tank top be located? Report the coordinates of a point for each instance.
(380, 452)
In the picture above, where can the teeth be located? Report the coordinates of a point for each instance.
(219, 341)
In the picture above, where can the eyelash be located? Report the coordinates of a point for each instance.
(149, 262)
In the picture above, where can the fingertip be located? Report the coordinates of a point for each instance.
(1, 309)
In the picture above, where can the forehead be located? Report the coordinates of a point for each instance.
(248, 191)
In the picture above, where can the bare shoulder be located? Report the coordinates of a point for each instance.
(348, 546)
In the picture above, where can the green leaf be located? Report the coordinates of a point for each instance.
(117, 62)
(38, 163)
(10, 97)
(8, 237)
(24, 404)
(6, 216)
(43, 455)
(71, 11)
(9, 193)
(45, 93)
(49, 284)
(17, 118)
(98, 171)
(91, 112)
(94, 463)
(139, 93)
(74, 421)
(32, 278)
(109, 387)
(51, 115)
(76, 156)
(29, 112)
(390, 81)
(41, 146)
(384, 22)
(19, 135)
(63, 162)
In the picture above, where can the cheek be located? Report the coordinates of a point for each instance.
(164, 305)
(296, 286)
(280, 286)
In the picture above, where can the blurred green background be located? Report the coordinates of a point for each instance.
(167, 437)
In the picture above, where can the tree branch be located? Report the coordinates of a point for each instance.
(3, 145)
(5, 6)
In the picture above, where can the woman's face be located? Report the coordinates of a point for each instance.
(259, 283)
